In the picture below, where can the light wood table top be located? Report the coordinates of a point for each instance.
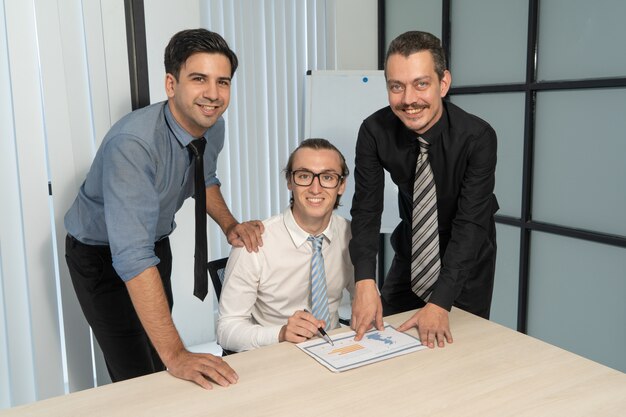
(489, 370)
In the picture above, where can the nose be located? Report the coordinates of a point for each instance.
(315, 185)
(410, 95)
(210, 91)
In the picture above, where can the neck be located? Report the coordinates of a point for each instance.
(313, 226)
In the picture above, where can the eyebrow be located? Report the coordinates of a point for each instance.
(423, 78)
(199, 74)
(326, 171)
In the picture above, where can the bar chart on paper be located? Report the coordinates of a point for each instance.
(348, 353)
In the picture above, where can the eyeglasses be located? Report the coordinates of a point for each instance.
(305, 178)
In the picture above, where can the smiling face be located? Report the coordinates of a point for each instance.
(415, 91)
(313, 205)
(202, 92)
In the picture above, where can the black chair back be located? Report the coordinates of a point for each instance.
(216, 271)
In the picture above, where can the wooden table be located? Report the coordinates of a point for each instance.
(488, 371)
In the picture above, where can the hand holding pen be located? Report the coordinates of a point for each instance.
(300, 327)
(322, 332)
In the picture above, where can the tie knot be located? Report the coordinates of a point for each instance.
(197, 147)
(423, 145)
(316, 241)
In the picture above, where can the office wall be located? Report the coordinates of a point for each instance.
(356, 34)
(560, 180)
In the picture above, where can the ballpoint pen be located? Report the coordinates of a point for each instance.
(325, 335)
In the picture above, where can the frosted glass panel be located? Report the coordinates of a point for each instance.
(576, 297)
(505, 113)
(579, 171)
(488, 41)
(404, 15)
(505, 291)
(581, 39)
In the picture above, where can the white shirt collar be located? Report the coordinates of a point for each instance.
(298, 235)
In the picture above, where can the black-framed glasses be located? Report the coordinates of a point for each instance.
(305, 178)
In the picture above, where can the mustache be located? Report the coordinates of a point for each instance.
(412, 106)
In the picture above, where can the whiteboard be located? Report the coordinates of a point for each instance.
(337, 102)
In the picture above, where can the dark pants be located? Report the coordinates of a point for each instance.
(475, 296)
(106, 304)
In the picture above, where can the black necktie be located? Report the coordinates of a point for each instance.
(201, 282)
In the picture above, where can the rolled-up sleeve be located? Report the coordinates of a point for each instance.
(131, 205)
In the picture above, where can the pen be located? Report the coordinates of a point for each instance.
(325, 335)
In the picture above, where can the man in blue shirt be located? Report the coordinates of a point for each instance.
(117, 248)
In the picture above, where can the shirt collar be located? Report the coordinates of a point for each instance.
(181, 135)
(298, 235)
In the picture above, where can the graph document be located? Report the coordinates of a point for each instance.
(374, 347)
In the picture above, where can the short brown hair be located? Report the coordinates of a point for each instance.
(415, 41)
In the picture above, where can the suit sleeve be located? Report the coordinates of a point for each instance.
(367, 205)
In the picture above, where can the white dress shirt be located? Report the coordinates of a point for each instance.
(263, 289)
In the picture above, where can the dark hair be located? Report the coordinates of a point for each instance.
(188, 42)
(317, 144)
(415, 41)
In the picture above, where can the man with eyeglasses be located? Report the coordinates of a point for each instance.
(266, 293)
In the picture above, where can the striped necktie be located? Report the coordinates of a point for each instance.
(425, 263)
(319, 297)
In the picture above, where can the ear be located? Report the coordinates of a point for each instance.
(445, 83)
(170, 85)
(342, 187)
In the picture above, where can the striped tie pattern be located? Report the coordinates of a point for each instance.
(425, 262)
(319, 298)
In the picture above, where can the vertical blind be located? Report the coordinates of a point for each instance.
(64, 81)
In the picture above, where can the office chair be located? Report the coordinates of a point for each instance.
(216, 271)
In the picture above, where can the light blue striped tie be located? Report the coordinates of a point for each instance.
(319, 298)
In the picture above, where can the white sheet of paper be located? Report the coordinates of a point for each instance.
(374, 347)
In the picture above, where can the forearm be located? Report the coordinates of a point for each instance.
(240, 334)
(148, 297)
(218, 210)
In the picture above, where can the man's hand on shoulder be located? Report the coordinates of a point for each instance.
(366, 308)
(432, 324)
(202, 368)
(246, 234)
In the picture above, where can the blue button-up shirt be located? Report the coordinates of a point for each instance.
(140, 177)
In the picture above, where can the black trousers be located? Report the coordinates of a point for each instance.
(475, 296)
(109, 310)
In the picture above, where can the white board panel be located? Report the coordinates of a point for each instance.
(337, 102)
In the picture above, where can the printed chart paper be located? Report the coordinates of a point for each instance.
(374, 347)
